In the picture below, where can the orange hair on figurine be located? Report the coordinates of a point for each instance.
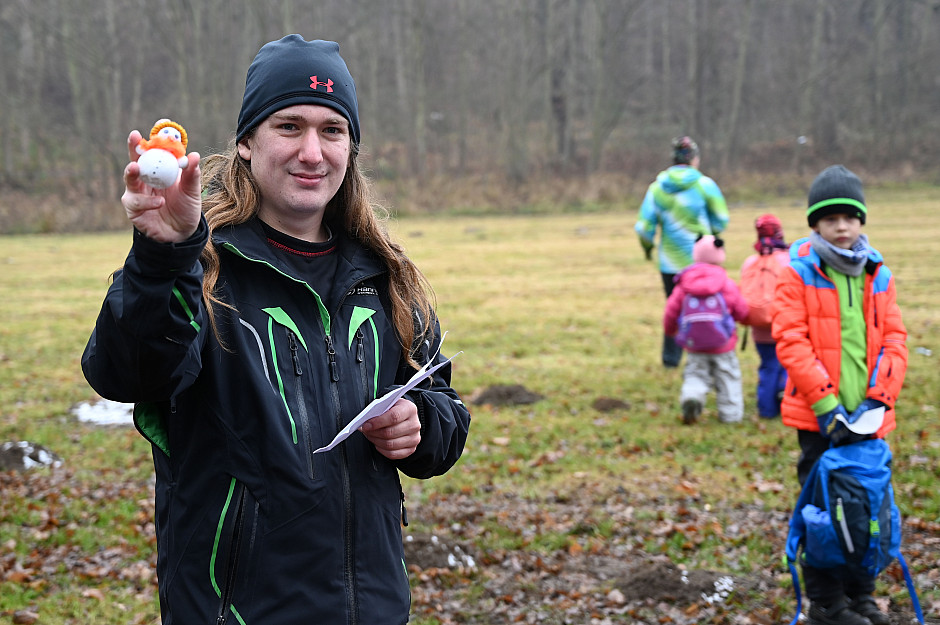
(163, 137)
(163, 154)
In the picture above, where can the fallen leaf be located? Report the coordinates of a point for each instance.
(93, 593)
(25, 617)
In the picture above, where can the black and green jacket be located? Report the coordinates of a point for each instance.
(252, 527)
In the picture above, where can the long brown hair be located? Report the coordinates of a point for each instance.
(231, 196)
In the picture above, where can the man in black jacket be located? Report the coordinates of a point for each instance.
(262, 306)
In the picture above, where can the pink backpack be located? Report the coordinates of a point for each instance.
(704, 322)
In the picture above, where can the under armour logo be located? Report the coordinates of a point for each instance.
(314, 83)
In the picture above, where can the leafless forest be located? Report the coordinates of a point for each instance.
(482, 98)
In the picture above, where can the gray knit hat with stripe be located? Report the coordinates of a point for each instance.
(836, 190)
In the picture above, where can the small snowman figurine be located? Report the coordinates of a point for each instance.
(163, 155)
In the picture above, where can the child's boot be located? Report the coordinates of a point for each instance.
(691, 410)
(838, 613)
(866, 606)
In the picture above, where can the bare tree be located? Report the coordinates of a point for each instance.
(560, 27)
(744, 41)
(810, 87)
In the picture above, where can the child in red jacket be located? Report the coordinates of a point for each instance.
(841, 339)
(758, 283)
(705, 285)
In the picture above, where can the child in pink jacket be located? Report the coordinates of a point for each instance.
(716, 366)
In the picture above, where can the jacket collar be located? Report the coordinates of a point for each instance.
(249, 241)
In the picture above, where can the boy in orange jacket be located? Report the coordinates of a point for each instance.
(841, 339)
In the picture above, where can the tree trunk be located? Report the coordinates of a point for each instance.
(463, 67)
(879, 70)
(808, 97)
(560, 25)
(418, 91)
(82, 101)
(740, 73)
(693, 79)
(667, 110)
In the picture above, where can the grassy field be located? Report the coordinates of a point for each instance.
(564, 305)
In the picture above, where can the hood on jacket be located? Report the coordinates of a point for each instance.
(702, 278)
(678, 178)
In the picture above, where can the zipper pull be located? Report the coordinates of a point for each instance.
(360, 350)
(404, 510)
(334, 369)
(844, 526)
(293, 353)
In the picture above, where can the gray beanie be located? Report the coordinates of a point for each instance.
(294, 71)
(836, 190)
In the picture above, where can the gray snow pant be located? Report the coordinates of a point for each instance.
(719, 371)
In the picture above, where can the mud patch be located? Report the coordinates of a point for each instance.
(609, 404)
(504, 395)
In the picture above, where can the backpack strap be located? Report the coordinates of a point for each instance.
(796, 588)
(797, 534)
(911, 590)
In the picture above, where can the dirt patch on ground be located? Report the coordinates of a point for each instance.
(504, 395)
(556, 567)
(609, 404)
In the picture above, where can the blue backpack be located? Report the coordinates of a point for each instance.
(846, 517)
(704, 322)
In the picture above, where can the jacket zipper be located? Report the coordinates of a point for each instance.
(348, 560)
(844, 526)
(232, 567)
(364, 381)
(404, 510)
(361, 360)
(331, 354)
(360, 350)
(301, 404)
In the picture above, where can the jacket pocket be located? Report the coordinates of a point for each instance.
(232, 552)
(822, 549)
(288, 356)
(300, 405)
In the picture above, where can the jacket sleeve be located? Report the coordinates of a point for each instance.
(716, 205)
(671, 313)
(147, 340)
(795, 351)
(891, 365)
(649, 219)
(445, 420)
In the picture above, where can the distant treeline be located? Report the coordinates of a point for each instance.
(508, 90)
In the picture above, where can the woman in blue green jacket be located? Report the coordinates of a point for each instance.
(255, 316)
(684, 204)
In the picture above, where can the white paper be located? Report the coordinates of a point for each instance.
(380, 405)
(867, 423)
